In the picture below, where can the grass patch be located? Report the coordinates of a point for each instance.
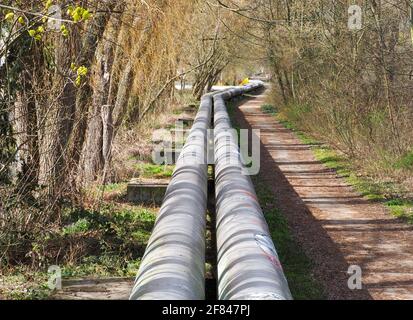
(269, 109)
(388, 193)
(102, 266)
(23, 284)
(406, 162)
(114, 187)
(120, 228)
(151, 171)
(80, 226)
(297, 266)
(115, 191)
(120, 235)
(402, 208)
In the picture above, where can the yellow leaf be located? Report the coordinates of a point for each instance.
(82, 71)
(85, 15)
(49, 4)
(78, 81)
(64, 30)
(77, 14)
(70, 11)
(245, 82)
(9, 16)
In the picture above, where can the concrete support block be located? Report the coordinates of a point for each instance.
(186, 121)
(147, 192)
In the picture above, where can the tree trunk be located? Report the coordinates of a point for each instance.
(55, 123)
(88, 51)
(93, 155)
(24, 128)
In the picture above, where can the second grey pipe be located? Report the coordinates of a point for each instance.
(248, 263)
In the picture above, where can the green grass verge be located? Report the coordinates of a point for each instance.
(151, 171)
(371, 189)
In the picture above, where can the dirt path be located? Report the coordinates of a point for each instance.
(335, 225)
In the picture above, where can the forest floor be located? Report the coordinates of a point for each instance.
(102, 239)
(335, 225)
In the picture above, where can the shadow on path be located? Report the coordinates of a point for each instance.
(335, 226)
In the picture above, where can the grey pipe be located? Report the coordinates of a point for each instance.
(173, 267)
(248, 263)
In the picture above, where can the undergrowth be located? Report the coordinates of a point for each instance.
(107, 241)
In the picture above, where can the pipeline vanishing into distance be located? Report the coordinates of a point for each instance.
(248, 263)
(173, 267)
